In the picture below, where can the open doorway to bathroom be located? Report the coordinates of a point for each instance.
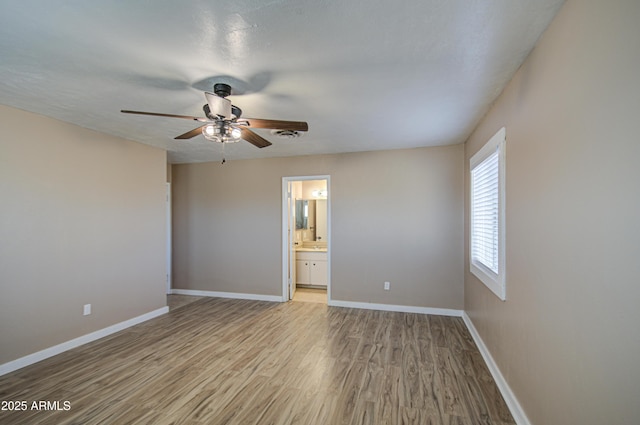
(306, 238)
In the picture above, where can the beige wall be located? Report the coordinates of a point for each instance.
(567, 338)
(82, 220)
(396, 216)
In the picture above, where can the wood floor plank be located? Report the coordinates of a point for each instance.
(411, 392)
(225, 361)
(372, 383)
(364, 413)
(387, 412)
(430, 390)
(447, 390)
(470, 392)
(322, 410)
(437, 331)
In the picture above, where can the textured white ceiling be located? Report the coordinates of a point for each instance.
(365, 75)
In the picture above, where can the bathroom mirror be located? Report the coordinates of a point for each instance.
(302, 214)
(311, 219)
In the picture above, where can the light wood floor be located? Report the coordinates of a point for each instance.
(310, 295)
(223, 361)
(176, 301)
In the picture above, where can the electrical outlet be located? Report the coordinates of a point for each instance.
(387, 286)
(87, 310)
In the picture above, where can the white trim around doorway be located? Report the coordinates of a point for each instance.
(285, 239)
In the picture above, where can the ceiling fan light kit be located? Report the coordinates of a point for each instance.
(224, 125)
(221, 132)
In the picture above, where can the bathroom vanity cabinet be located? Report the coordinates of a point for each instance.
(311, 268)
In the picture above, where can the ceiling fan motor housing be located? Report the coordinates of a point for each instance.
(218, 106)
(222, 90)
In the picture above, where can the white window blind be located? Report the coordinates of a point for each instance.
(487, 229)
(484, 212)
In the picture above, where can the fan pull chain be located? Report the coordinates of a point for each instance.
(223, 158)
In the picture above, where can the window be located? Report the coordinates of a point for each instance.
(487, 233)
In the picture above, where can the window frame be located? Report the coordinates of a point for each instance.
(496, 282)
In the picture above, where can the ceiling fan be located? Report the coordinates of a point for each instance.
(223, 122)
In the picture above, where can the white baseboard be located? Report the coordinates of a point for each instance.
(236, 295)
(512, 402)
(399, 308)
(76, 342)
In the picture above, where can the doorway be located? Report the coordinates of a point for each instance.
(306, 236)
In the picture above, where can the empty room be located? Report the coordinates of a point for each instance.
(314, 212)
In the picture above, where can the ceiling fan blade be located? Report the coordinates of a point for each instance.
(254, 139)
(275, 124)
(190, 134)
(157, 114)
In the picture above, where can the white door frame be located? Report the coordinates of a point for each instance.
(291, 234)
(285, 236)
(169, 230)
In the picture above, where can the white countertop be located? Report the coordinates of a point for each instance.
(311, 249)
